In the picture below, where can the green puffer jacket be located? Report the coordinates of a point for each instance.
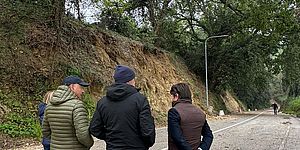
(66, 123)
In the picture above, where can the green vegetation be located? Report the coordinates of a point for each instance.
(21, 119)
(90, 105)
(293, 107)
(263, 36)
(219, 104)
(16, 125)
(263, 40)
(258, 61)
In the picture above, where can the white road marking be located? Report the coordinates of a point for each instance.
(220, 130)
(285, 138)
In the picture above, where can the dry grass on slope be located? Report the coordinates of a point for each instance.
(42, 59)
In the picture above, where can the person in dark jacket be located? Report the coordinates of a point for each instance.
(275, 108)
(41, 110)
(186, 122)
(123, 118)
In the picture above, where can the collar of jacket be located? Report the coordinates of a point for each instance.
(181, 101)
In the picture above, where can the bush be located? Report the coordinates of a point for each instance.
(16, 125)
(294, 107)
(89, 105)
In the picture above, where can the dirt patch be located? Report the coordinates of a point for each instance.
(6, 142)
(3, 110)
(231, 103)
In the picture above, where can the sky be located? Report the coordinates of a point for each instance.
(88, 9)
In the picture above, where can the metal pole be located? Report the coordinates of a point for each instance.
(205, 53)
(206, 80)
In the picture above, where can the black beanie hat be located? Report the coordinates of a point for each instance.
(123, 74)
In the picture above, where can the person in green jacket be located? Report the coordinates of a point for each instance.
(65, 120)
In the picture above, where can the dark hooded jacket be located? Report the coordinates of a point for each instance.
(123, 119)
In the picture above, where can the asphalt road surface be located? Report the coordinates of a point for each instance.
(259, 130)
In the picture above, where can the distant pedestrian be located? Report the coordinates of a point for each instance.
(123, 118)
(65, 120)
(186, 122)
(41, 109)
(275, 108)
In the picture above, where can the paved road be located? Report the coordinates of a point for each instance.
(248, 131)
(266, 132)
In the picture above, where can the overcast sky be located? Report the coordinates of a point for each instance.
(88, 9)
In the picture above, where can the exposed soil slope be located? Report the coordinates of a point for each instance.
(38, 59)
(38, 62)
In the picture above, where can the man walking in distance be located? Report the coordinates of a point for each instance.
(123, 117)
(275, 108)
(186, 122)
(65, 121)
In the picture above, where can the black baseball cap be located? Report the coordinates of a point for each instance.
(74, 80)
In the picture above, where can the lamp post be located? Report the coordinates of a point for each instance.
(205, 49)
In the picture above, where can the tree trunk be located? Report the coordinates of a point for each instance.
(58, 14)
(59, 10)
(152, 15)
(77, 2)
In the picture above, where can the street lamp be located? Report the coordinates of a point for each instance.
(205, 49)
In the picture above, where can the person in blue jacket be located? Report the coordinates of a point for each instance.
(41, 109)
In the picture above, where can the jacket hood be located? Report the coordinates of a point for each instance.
(61, 95)
(120, 91)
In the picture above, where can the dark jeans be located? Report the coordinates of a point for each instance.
(275, 111)
(46, 144)
(46, 147)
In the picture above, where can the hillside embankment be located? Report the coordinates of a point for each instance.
(37, 62)
(35, 59)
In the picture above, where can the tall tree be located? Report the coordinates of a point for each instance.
(258, 31)
(58, 12)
